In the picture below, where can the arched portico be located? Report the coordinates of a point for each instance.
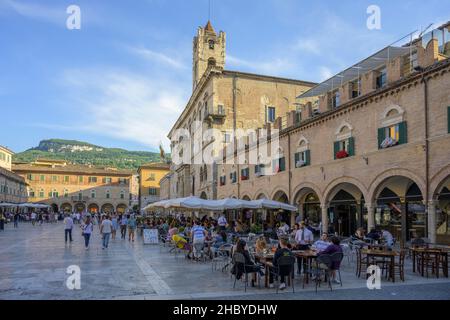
(343, 210)
(307, 198)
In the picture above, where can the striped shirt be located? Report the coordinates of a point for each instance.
(198, 232)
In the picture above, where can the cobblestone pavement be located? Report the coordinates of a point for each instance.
(33, 263)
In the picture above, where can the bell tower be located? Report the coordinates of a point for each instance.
(209, 50)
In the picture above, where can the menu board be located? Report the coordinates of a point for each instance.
(151, 236)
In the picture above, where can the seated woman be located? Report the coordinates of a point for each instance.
(261, 245)
(172, 230)
(250, 265)
(333, 248)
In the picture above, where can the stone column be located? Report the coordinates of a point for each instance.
(292, 219)
(431, 216)
(324, 207)
(370, 216)
(404, 220)
(301, 212)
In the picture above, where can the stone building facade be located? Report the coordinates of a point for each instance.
(76, 188)
(223, 101)
(377, 153)
(150, 175)
(13, 188)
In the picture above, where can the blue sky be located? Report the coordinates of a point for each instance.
(122, 80)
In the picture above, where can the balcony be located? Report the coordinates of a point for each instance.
(217, 113)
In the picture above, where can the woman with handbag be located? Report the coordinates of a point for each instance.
(87, 228)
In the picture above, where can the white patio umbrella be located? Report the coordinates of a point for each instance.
(7, 205)
(186, 203)
(271, 204)
(224, 204)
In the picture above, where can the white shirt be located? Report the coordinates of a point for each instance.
(308, 236)
(68, 223)
(33, 215)
(222, 221)
(87, 228)
(106, 226)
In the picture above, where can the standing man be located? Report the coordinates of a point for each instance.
(105, 231)
(16, 220)
(222, 222)
(304, 238)
(198, 234)
(131, 227)
(68, 226)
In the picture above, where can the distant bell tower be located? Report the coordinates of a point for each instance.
(209, 50)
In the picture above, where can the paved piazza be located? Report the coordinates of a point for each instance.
(33, 262)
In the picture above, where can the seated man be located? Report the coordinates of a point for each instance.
(388, 238)
(322, 243)
(284, 271)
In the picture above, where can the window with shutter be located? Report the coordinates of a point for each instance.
(381, 136)
(307, 157)
(336, 149)
(351, 146)
(448, 119)
(403, 133)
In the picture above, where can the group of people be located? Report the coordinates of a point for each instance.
(108, 227)
(303, 241)
(375, 235)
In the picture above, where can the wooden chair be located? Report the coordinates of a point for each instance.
(361, 262)
(399, 267)
(429, 259)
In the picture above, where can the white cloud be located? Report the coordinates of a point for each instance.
(325, 73)
(157, 57)
(307, 45)
(125, 105)
(37, 11)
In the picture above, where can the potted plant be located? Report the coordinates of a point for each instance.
(342, 154)
(300, 164)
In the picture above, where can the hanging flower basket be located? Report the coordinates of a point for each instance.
(244, 178)
(342, 154)
(388, 142)
(300, 164)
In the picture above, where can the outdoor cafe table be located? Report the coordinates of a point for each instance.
(309, 256)
(267, 261)
(437, 252)
(383, 254)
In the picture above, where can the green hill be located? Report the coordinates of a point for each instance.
(85, 153)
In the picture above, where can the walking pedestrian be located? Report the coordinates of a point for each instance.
(115, 226)
(123, 227)
(33, 218)
(87, 231)
(105, 231)
(16, 220)
(68, 226)
(131, 227)
(2, 221)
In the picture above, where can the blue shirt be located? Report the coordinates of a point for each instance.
(198, 232)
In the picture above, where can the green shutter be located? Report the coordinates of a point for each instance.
(403, 133)
(448, 119)
(336, 148)
(351, 146)
(283, 164)
(296, 159)
(381, 136)
(307, 157)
